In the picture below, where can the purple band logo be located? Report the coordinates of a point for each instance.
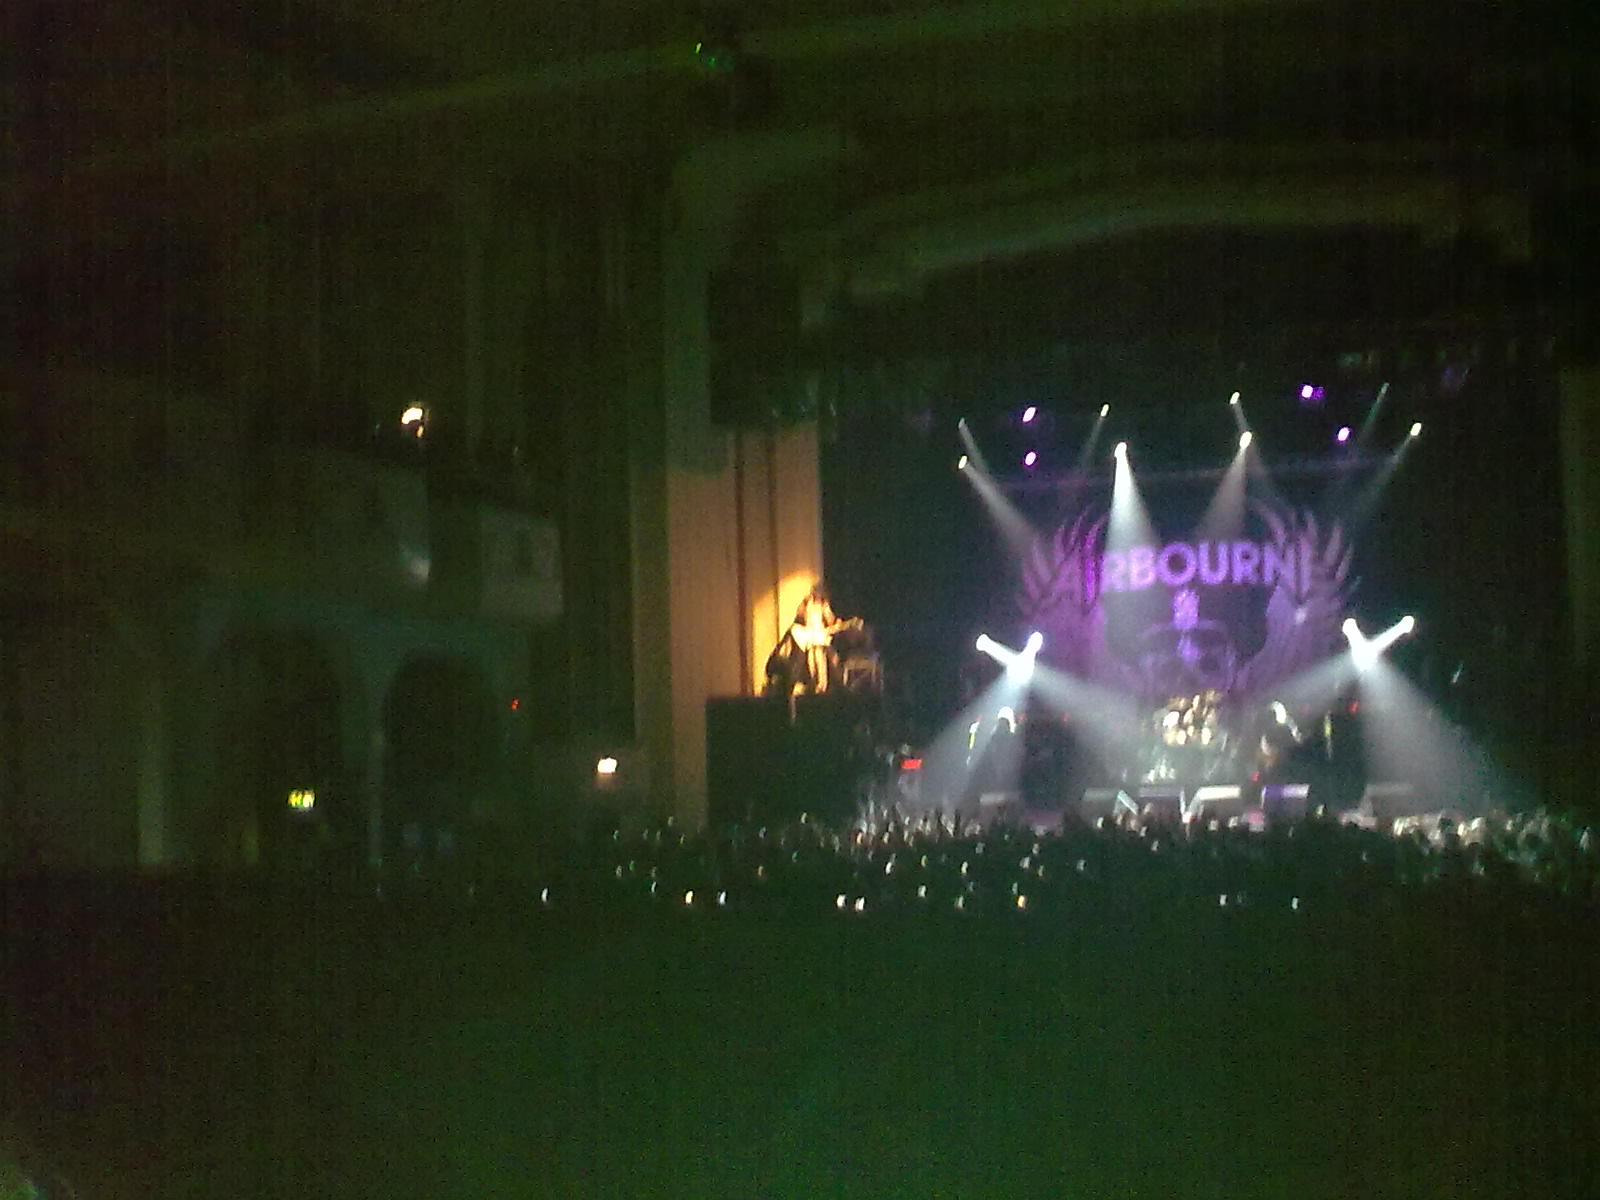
(1178, 564)
(1237, 616)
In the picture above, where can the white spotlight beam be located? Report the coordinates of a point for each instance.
(1013, 526)
(1366, 651)
(1108, 721)
(1130, 523)
(1086, 454)
(1237, 409)
(971, 445)
(1001, 654)
(1224, 515)
(1371, 418)
(1409, 740)
(1021, 667)
(1393, 634)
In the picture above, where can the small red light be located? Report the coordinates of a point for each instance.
(911, 764)
(1355, 706)
(516, 703)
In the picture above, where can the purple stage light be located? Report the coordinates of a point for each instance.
(1343, 435)
(1030, 458)
(1305, 391)
(1028, 414)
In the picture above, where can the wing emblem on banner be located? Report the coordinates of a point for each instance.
(1306, 606)
(1061, 598)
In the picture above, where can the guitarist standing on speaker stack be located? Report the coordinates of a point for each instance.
(805, 662)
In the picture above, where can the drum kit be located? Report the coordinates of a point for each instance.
(1189, 742)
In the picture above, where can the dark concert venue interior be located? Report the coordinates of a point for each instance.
(861, 598)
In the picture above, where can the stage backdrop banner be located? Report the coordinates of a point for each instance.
(1239, 616)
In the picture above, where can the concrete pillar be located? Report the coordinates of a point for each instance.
(1580, 460)
(780, 552)
(732, 529)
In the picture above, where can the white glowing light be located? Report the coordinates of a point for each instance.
(1121, 450)
(1034, 643)
(984, 642)
(1020, 668)
(1233, 399)
(1105, 409)
(1028, 414)
(1416, 428)
(1407, 623)
(1351, 629)
(688, 897)
(606, 766)
(1245, 439)
(961, 463)
(414, 415)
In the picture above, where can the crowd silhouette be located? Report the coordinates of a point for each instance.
(891, 863)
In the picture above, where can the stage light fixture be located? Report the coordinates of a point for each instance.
(1245, 439)
(1035, 641)
(1028, 414)
(1030, 458)
(1306, 391)
(1416, 428)
(1233, 399)
(1104, 409)
(1364, 651)
(961, 463)
(984, 642)
(1343, 435)
(1121, 450)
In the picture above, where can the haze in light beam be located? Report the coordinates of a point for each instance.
(1130, 523)
(1409, 740)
